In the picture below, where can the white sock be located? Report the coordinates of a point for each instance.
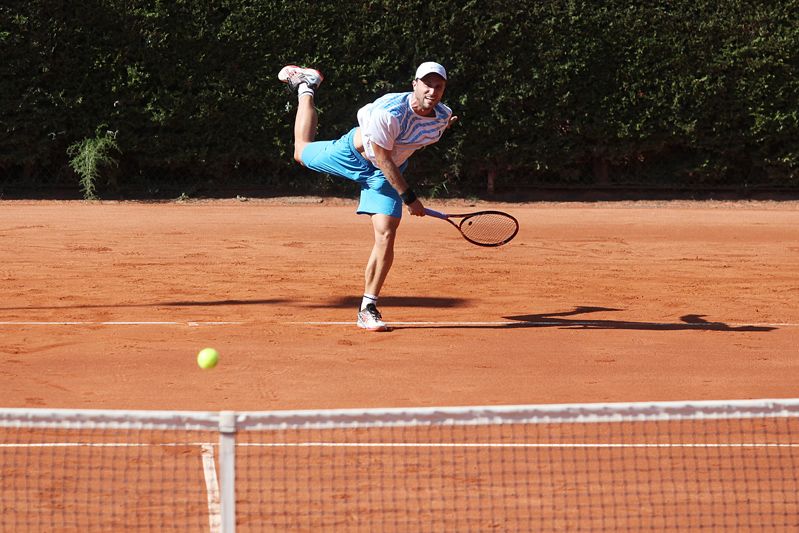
(303, 89)
(368, 299)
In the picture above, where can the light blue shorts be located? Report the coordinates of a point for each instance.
(340, 158)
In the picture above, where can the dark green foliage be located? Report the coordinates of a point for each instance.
(675, 94)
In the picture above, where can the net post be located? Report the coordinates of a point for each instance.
(227, 467)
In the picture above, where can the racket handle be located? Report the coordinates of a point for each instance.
(437, 214)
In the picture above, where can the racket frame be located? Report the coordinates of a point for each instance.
(466, 216)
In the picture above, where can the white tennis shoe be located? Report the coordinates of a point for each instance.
(294, 76)
(369, 318)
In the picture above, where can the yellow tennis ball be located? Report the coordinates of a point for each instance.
(207, 358)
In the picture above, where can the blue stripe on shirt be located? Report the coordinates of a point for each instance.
(414, 129)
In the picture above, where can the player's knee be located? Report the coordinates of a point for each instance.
(385, 228)
(388, 235)
(385, 236)
(299, 148)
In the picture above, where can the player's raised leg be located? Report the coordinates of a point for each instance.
(377, 268)
(304, 81)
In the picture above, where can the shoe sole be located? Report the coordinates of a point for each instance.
(285, 78)
(378, 328)
(281, 76)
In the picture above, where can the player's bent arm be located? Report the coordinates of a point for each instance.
(392, 172)
(394, 176)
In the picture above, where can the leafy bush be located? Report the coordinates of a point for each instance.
(563, 93)
(88, 156)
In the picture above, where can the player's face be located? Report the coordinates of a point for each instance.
(427, 92)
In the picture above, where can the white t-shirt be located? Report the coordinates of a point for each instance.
(391, 122)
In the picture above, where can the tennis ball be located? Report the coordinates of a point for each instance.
(207, 358)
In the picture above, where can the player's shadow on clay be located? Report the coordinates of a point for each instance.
(566, 320)
(687, 322)
(399, 301)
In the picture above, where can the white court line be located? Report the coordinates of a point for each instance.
(212, 489)
(100, 444)
(192, 323)
(610, 324)
(514, 445)
(208, 457)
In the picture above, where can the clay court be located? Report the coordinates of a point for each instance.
(105, 306)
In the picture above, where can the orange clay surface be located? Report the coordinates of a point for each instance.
(105, 305)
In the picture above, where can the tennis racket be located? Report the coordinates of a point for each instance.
(483, 228)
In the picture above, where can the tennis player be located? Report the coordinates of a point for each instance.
(374, 154)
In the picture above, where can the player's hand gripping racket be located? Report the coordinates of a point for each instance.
(483, 228)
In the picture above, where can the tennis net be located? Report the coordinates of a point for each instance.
(675, 466)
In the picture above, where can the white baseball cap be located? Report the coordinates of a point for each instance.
(430, 67)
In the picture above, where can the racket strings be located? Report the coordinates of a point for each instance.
(489, 228)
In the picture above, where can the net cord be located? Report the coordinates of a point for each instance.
(388, 417)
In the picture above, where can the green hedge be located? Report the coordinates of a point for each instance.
(562, 93)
